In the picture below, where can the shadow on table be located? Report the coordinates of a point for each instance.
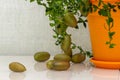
(40, 66)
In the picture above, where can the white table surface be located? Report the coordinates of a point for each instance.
(38, 71)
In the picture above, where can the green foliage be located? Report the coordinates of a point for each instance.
(32, 0)
(56, 10)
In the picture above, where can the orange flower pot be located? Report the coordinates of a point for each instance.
(103, 56)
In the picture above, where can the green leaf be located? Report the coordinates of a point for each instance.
(39, 2)
(107, 42)
(105, 6)
(110, 5)
(52, 24)
(80, 20)
(32, 0)
(111, 34)
(95, 8)
(100, 1)
(89, 54)
(111, 45)
(109, 20)
(73, 47)
(85, 25)
(103, 12)
(54, 36)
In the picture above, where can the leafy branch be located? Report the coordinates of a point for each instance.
(62, 14)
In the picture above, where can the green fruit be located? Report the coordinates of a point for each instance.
(49, 64)
(58, 65)
(62, 57)
(17, 67)
(61, 28)
(68, 52)
(41, 56)
(66, 43)
(70, 20)
(61, 65)
(78, 58)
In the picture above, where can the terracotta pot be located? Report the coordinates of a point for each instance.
(103, 56)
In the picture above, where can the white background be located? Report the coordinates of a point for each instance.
(24, 30)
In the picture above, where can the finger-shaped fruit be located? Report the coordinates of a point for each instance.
(58, 65)
(49, 64)
(65, 45)
(62, 57)
(78, 58)
(68, 52)
(61, 28)
(70, 20)
(17, 67)
(41, 56)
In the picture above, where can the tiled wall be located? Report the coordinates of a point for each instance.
(24, 30)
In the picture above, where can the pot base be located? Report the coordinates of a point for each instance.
(105, 64)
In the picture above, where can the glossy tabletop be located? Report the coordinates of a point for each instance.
(38, 71)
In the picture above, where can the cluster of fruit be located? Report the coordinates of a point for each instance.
(60, 62)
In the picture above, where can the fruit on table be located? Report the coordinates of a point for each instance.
(62, 57)
(41, 56)
(49, 64)
(58, 65)
(17, 67)
(78, 58)
(70, 20)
